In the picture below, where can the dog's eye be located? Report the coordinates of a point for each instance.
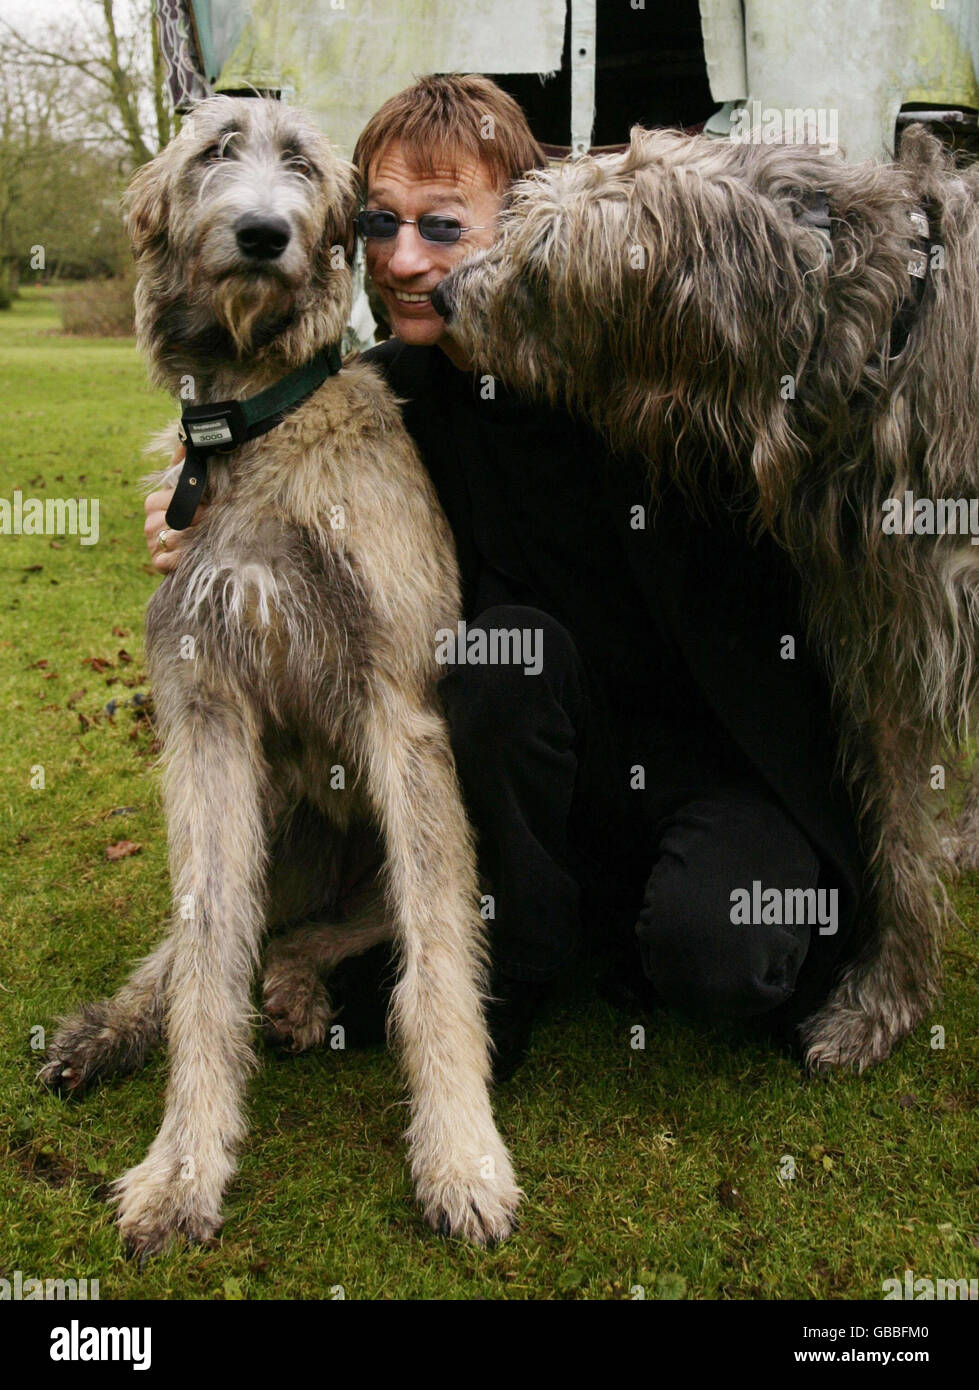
(214, 152)
(299, 164)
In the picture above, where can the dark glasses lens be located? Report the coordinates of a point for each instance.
(436, 228)
(377, 224)
(382, 225)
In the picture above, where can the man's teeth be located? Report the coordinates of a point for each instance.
(411, 298)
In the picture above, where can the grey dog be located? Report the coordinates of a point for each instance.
(292, 657)
(748, 317)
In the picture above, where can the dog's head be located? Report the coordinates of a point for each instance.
(626, 276)
(242, 233)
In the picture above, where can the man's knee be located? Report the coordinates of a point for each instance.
(515, 669)
(703, 962)
(697, 948)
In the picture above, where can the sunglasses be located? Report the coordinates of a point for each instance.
(432, 226)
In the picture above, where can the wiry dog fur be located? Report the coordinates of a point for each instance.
(296, 637)
(669, 294)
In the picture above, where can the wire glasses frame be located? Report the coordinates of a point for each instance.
(381, 225)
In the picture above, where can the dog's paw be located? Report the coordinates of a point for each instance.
(476, 1201)
(87, 1048)
(961, 853)
(296, 1009)
(842, 1038)
(160, 1199)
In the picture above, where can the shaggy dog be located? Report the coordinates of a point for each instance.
(292, 658)
(799, 337)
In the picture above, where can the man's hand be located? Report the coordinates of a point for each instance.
(165, 559)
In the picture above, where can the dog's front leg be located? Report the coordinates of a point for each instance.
(460, 1166)
(213, 795)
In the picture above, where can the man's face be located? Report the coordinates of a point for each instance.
(406, 268)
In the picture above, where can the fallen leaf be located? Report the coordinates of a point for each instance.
(122, 849)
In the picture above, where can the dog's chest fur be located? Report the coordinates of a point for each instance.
(324, 562)
(261, 605)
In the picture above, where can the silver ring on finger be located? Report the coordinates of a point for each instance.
(161, 540)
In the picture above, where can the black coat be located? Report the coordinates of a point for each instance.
(727, 602)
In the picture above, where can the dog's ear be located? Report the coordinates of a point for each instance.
(639, 144)
(339, 227)
(147, 207)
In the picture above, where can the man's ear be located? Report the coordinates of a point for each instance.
(147, 206)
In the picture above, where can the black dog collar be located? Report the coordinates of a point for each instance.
(227, 424)
(924, 222)
(924, 231)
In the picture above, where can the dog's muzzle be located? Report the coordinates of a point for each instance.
(441, 301)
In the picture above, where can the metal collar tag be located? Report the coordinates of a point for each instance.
(222, 425)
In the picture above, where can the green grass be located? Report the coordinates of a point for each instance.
(657, 1167)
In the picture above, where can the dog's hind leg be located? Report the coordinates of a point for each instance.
(296, 1006)
(461, 1169)
(111, 1037)
(214, 792)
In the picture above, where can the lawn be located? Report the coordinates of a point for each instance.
(664, 1167)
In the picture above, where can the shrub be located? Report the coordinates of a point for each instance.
(99, 308)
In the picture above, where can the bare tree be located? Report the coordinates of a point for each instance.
(111, 51)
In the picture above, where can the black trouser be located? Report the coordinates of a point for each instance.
(546, 775)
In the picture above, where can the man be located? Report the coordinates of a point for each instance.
(660, 753)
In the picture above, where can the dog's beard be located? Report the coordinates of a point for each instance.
(252, 309)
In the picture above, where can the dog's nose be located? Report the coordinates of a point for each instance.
(262, 238)
(441, 302)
